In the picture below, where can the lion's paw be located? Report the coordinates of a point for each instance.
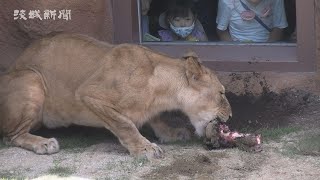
(153, 151)
(183, 134)
(47, 146)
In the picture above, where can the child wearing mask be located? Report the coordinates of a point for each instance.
(180, 23)
(251, 20)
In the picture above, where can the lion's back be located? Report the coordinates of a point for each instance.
(65, 58)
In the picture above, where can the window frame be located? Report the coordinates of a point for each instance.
(231, 57)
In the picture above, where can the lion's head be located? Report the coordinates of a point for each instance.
(204, 98)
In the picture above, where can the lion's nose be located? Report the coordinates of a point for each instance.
(230, 116)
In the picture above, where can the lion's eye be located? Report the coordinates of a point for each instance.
(221, 92)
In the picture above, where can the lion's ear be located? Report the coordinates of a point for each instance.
(193, 66)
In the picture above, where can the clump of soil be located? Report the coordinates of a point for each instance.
(270, 110)
(186, 165)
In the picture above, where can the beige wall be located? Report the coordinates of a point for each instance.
(92, 17)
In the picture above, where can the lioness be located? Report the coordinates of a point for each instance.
(73, 79)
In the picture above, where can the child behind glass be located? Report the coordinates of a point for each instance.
(180, 23)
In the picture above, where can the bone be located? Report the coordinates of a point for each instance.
(218, 135)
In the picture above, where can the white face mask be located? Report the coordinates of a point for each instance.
(182, 31)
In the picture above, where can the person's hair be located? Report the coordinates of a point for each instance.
(180, 8)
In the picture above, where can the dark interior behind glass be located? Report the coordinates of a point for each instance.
(207, 12)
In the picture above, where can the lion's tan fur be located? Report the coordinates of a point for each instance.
(73, 79)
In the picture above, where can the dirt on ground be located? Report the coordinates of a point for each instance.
(289, 123)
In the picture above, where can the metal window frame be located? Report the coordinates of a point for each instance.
(276, 57)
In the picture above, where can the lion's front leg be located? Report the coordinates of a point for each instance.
(123, 128)
(165, 133)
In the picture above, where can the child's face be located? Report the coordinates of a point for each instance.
(183, 21)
